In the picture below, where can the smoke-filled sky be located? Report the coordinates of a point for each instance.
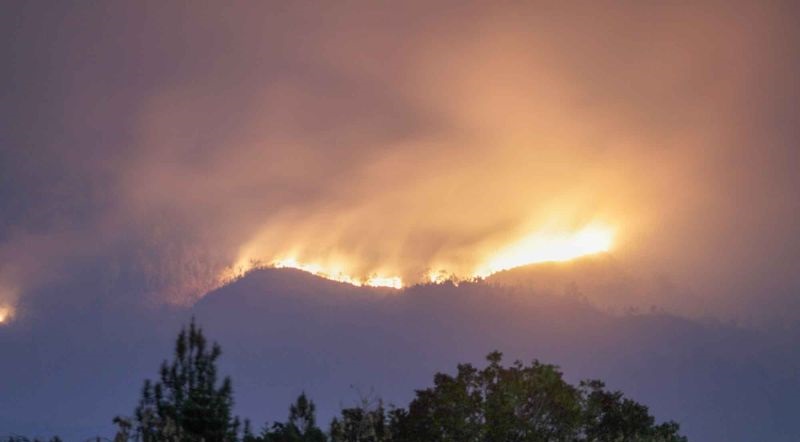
(152, 152)
(163, 146)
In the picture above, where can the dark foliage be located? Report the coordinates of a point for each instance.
(516, 403)
(368, 422)
(301, 426)
(520, 403)
(186, 404)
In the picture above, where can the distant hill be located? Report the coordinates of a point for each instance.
(325, 336)
(600, 279)
(284, 331)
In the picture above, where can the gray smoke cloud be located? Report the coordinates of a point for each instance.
(161, 145)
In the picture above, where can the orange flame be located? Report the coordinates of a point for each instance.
(537, 247)
(548, 247)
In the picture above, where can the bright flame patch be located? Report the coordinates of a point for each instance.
(5, 314)
(538, 247)
(542, 247)
(337, 275)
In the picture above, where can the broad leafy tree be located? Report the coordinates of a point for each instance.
(523, 403)
(609, 416)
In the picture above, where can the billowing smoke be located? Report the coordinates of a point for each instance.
(170, 146)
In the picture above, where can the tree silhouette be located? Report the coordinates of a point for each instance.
(523, 404)
(367, 422)
(186, 404)
(516, 403)
(301, 426)
(609, 416)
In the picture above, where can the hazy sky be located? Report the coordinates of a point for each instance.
(150, 150)
(158, 144)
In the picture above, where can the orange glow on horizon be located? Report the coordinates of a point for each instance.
(336, 274)
(385, 281)
(542, 247)
(6, 313)
(538, 247)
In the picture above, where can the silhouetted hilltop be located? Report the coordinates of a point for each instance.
(390, 340)
(284, 331)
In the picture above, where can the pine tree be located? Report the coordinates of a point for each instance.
(186, 404)
(301, 427)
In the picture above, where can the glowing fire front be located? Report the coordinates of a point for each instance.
(548, 247)
(337, 275)
(538, 247)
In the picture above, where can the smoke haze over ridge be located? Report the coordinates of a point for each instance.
(160, 146)
(151, 153)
